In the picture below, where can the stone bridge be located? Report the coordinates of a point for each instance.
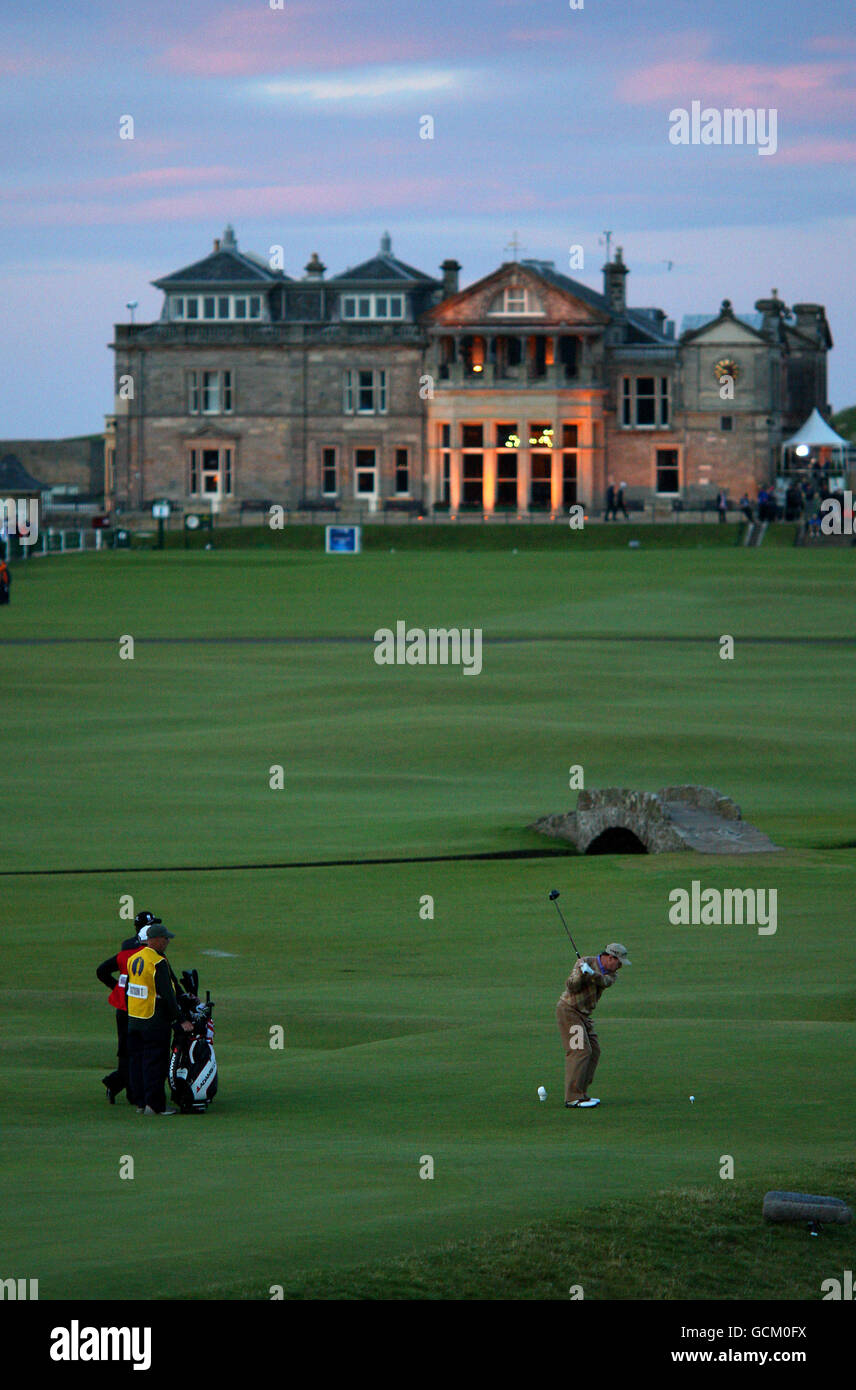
(615, 820)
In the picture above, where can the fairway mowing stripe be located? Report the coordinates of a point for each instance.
(297, 864)
(773, 641)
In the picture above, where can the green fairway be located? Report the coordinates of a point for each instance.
(406, 1036)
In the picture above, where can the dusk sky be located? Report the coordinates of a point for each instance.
(301, 127)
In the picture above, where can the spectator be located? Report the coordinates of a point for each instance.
(5, 582)
(619, 503)
(610, 502)
(722, 505)
(746, 507)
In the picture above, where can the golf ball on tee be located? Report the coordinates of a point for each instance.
(542, 1094)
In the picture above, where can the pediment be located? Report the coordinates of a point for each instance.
(515, 294)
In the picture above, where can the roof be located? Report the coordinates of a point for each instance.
(691, 323)
(548, 271)
(15, 478)
(816, 432)
(223, 268)
(384, 267)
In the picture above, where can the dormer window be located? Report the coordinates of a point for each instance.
(372, 306)
(213, 308)
(516, 299)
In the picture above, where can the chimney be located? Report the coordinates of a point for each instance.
(809, 319)
(313, 269)
(773, 310)
(450, 277)
(614, 289)
(216, 243)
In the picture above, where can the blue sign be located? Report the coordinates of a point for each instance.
(342, 540)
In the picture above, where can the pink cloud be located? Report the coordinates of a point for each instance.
(811, 89)
(819, 152)
(261, 41)
(353, 195)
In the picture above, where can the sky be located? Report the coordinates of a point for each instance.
(301, 126)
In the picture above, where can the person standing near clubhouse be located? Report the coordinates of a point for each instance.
(152, 1010)
(589, 978)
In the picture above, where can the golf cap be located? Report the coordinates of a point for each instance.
(156, 930)
(616, 949)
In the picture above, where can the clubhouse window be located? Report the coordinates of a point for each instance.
(507, 436)
(210, 471)
(645, 402)
(570, 436)
(569, 479)
(209, 393)
(211, 307)
(472, 492)
(365, 392)
(402, 472)
(506, 479)
(365, 473)
(668, 472)
(373, 306)
(726, 422)
(447, 478)
(445, 436)
(472, 436)
(329, 481)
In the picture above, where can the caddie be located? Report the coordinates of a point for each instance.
(152, 1010)
(589, 978)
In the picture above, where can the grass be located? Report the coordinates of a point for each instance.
(408, 1035)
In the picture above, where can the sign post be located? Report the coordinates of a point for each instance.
(160, 512)
(342, 540)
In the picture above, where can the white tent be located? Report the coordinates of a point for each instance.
(803, 448)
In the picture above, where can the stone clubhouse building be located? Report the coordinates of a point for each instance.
(386, 388)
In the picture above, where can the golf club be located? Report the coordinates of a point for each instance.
(554, 894)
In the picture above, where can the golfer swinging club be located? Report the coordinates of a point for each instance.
(590, 976)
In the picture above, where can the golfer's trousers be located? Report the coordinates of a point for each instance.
(582, 1050)
(148, 1055)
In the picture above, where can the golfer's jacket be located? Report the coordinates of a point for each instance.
(583, 991)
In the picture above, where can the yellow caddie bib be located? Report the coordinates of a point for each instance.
(140, 989)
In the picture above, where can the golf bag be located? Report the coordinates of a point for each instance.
(192, 1064)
